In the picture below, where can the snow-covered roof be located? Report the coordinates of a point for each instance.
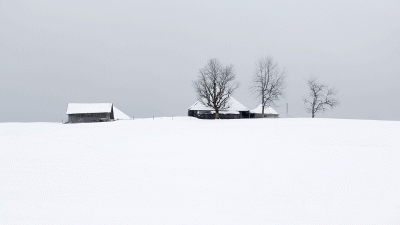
(226, 112)
(199, 106)
(119, 115)
(77, 108)
(233, 104)
(267, 110)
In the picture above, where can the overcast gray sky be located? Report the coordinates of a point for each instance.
(143, 55)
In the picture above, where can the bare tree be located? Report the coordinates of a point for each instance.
(269, 81)
(215, 84)
(320, 97)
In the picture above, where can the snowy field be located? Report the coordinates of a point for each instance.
(190, 171)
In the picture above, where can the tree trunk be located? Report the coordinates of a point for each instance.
(216, 114)
(262, 111)
(313, 111)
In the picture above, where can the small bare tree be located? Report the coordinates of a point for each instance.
(215, 84)
(269, 82)
(320, 97)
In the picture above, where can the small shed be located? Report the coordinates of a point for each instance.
(268, 112)
(89, 112)
(93, 112)
(235, 110)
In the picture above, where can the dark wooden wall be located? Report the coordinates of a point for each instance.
(89, 117)
(221, 116)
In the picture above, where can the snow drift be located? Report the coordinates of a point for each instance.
(190, 171)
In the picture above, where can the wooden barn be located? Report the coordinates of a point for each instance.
(268, 112)
(235, 111)
(93, 112)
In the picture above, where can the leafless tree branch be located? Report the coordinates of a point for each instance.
(215, 84)
(268, 82)
(320, 97)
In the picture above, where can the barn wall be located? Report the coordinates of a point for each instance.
(229, 116)
(242, 115)
(203, 115)
(259, 115)
(88, 117)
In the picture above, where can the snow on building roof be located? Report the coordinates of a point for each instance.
(267, 110)
(119, 115)
(77, 108)
(233, 104)
(199, 106)
(226, 112)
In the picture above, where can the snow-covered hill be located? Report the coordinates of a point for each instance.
(190, 171)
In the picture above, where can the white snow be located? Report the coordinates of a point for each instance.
(267, 110)
(75, 108)
(184, 170)
(226, 112)
(119, 115)
(233, 104)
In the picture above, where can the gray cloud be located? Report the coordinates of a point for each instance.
(143, 56)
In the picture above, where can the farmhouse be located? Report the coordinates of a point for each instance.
(235, 110)
(268, 112)
(93, 112)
